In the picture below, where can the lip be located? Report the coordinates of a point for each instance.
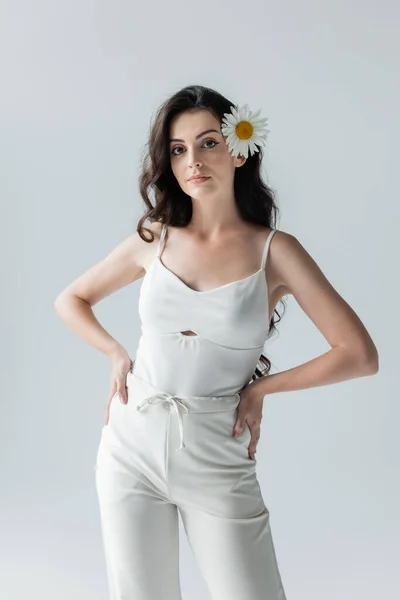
(198, 178)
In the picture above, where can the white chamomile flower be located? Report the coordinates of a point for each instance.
(244, 130)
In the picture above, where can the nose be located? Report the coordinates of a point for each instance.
(194, 161)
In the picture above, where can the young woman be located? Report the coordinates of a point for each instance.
(183, 418)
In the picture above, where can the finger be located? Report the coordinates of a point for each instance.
(255, 436)
(110, 398)
(108, 412)
(122, 392)
(116, 393)
(239, 426)
(113, 391)
(252, 451)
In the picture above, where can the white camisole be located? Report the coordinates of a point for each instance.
(231, 323)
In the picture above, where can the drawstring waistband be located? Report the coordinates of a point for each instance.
(174, 401)
(194, 404)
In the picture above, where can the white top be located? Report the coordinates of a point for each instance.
(231, 322)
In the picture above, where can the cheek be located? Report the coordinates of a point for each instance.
(175, 169)
(179, 174)
(221, 161)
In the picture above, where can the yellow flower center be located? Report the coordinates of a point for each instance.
(244, 130)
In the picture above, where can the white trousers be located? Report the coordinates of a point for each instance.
(161, 453)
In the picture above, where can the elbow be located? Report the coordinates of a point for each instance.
(369, 361)
(65, 301)
(59, 304)
(364, 358)
(374, 365)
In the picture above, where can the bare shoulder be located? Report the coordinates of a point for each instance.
(276, 254)
(285, 254)
(288, 256)
(124, 264)
(303, 278)
(140, 252)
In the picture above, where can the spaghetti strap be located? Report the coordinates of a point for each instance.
(162, 236)
(267, 243)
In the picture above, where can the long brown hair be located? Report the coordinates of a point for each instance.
(255, 200)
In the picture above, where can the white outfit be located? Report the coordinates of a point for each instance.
(171, 447)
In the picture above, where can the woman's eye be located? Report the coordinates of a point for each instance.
(173, 150)
(206, 142)
(212, 141)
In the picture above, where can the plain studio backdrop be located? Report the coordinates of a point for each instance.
(80, 82)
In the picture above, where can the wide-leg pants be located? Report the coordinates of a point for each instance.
(161, 453)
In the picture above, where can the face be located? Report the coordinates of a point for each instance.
(197, 146)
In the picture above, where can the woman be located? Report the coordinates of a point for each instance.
(183, 418)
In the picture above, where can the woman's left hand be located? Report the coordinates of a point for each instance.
(249, 411)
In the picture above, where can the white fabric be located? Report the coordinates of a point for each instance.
(171, 446)
(231, 323)
(178, 405)
(142, 481)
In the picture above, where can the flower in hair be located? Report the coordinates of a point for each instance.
(244, 130)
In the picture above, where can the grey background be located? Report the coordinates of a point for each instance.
(80, 81)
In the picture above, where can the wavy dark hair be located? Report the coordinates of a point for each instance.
(172, 206)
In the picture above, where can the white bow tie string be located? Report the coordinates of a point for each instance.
(178, 405)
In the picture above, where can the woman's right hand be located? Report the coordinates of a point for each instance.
(121, 364)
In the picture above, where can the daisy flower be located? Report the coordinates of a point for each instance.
(244, 130)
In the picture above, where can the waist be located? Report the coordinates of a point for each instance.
(138, 389)
(192, 366)
(142, 394)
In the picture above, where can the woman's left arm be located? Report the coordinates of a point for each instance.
(352, 354)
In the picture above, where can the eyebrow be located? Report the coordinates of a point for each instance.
(197, 136)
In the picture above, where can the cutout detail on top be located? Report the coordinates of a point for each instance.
(188, 332)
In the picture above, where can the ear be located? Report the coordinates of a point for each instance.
(239, 161)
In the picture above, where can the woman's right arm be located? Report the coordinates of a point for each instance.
(74, 304)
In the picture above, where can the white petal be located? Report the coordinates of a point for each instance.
(245, 113)
(253, 146)
(258, 141)
(227, 129)
(255, 114)
(232, 136)
(242, 147)
(260, 132)
(260, 121)
(235, 114)
(234, 149)
(231, 119)
(258, 136)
